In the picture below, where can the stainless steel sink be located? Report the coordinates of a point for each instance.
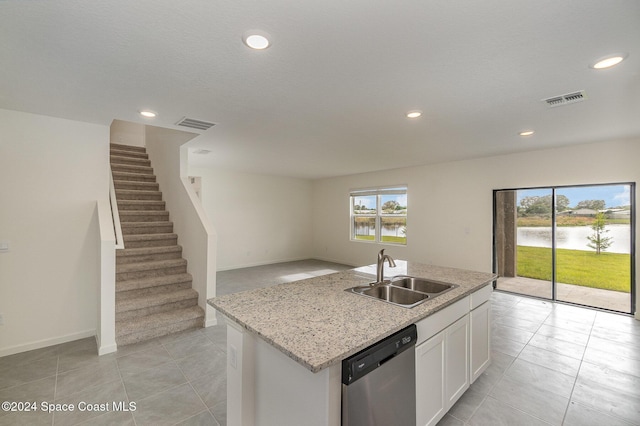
(395, 295)
(422, 285)
(403, 290)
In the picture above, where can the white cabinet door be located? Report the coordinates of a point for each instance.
(480, 348)
(456, 360)
(430, 367)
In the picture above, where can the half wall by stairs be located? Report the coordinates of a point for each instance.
(154, 294)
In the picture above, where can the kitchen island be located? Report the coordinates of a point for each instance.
(285, 343)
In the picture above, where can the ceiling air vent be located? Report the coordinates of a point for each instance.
(195, 124)
(569, 98)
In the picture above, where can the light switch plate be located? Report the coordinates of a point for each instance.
(4, 245)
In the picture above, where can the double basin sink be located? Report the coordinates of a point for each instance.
(404, 291)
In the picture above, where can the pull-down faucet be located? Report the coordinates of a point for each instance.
(380, 270)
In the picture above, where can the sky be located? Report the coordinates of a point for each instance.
(613, 195)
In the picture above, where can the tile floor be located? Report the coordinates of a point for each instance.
(552, 364)
(555, 364)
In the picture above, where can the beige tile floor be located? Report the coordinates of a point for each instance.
(552, 364)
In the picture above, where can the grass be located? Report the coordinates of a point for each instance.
(395, 240)
(385, 239)
(609, 271)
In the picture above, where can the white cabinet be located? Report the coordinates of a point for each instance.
(442, 372)
(456, 351)
(452, 350)
(430, 368)
(480, 319)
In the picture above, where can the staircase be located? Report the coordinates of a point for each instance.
(153, 289)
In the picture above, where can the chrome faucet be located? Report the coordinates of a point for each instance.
(380, 271)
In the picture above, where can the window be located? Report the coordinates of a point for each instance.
(379, 215)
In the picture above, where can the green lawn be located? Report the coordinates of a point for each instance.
(609, 271)
(385, 239)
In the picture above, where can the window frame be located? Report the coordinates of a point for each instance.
(378, 192)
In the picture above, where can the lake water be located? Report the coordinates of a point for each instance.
(575, 237)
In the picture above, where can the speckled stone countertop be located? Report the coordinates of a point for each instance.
(316, 323)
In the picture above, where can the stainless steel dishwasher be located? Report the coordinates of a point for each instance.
(379, 383)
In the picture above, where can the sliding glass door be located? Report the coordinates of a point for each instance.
(572, 244)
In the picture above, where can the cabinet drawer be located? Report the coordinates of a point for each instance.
(437, 322)
(481, 296)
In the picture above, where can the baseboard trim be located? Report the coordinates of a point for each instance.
(39, 344)
(103, 350)
(211, 322)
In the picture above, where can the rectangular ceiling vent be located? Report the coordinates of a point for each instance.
(195, 124)
(569, 98)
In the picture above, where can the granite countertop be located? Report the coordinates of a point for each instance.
(316, 323)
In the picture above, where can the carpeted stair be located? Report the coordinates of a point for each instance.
(153, 289)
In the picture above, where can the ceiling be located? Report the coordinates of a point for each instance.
(329, 96)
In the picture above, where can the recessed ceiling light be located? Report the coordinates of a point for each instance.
(147, 113)
(257, 40)
(608, 61)
(526, 133)
(414, 114)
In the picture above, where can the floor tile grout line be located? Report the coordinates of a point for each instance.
(55, 388)
(124, 386)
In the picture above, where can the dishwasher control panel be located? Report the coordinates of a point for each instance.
(374, 356)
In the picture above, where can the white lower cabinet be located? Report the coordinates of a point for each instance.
(442, 372)
(453, 350)
(430, 368)
(480, 319)
(456, 351)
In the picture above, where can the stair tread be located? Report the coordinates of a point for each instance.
(128, 147)
(127, 153)
(158, 320)
(141, 203)
(148, 250)
(128, 158)
(124, 304)
(136, 191)
(145, 212)
(146, 224)
(134, 182)
(149, 265)
(147, 170)
(125, 175)
(154, 281)
(143, 237)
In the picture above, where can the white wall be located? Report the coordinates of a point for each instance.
(52, 171)
(127, 133)
(259, 219)
(450, 205)
(196, 234)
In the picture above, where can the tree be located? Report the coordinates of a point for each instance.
(536, 205)
(591, 204)
(562, 202)
(598, 241)
(390, 205)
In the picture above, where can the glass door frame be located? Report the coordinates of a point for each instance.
(553, 188)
